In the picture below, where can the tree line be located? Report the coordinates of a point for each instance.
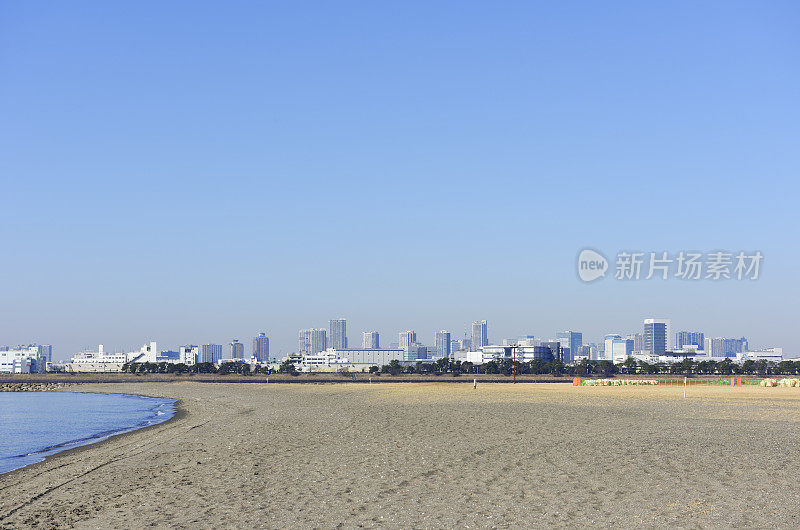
(501, 367)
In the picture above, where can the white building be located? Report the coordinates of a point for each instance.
(148, 353)
(766, 354)
(370, 340)
(361, 357)
(406, 339)
(24, 359)
(311, 341)
(617, 349)
(96, 361)
(188, 355)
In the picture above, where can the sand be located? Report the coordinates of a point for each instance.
(429, 456)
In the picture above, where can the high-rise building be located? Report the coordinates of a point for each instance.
(573, 340)
(236, 350)
(638, 341)
(370, 340)
(479, 336)
(407, 338)
(338, 333)
(416, 352)
(312, 341)
(443, 343)
(656, 335)
(188, 354)
(689, 338)
(722, 347)
(555, 348)
(209, 353)
(616, 348)
(261, 348)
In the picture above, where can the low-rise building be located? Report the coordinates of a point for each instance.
(24, 359)
(96, 361)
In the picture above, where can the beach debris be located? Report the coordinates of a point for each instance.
(620, 382)
(785, 382)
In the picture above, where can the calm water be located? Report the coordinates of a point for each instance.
(37, 424)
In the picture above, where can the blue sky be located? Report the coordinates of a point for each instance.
(191, 172)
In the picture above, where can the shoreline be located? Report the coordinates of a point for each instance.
(72, 447)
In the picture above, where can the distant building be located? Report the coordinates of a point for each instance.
(656, 335)
(365, 356)
(553, 346)
(235, 350)
(24, 359)
(96, 361)
(370, 339)
(338, 333)
(638, 341)
(312, 341)
(479, 334)
(148, 353)
(188, 354)
(722, 347)
(209, 353)
(689, 338)
(406, 339)
(416, 352)
(261, 348)
(573, 340)
(442, 344)
(168, 356)
(617, 349)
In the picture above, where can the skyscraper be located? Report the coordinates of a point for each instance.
(407, 338)
(443, 343)
(261, 348)
(312, 341)
(338, 333)
(210, 353)
(236, 350)
(370, 339)
(656, 333)
(689, 338)
(573, 340)
(479, 337)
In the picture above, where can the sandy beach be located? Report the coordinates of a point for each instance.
(429, 455)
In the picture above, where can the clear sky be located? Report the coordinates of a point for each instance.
(194, 172)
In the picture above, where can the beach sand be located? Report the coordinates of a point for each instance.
(429, 455)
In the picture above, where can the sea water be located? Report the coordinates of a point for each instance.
(34, 425)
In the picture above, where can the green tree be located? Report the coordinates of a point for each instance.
(286, 367)
(394, 367)
(629, 365)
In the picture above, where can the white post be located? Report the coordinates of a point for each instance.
(475, 383)
(684, 388)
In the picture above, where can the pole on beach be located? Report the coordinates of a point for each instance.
(684, 388)
(475, 383)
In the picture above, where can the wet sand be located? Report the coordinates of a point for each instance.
(429, 456)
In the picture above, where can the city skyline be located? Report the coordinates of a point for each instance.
(313, 340)
(402, 145)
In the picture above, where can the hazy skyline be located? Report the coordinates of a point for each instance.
(188, 172)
